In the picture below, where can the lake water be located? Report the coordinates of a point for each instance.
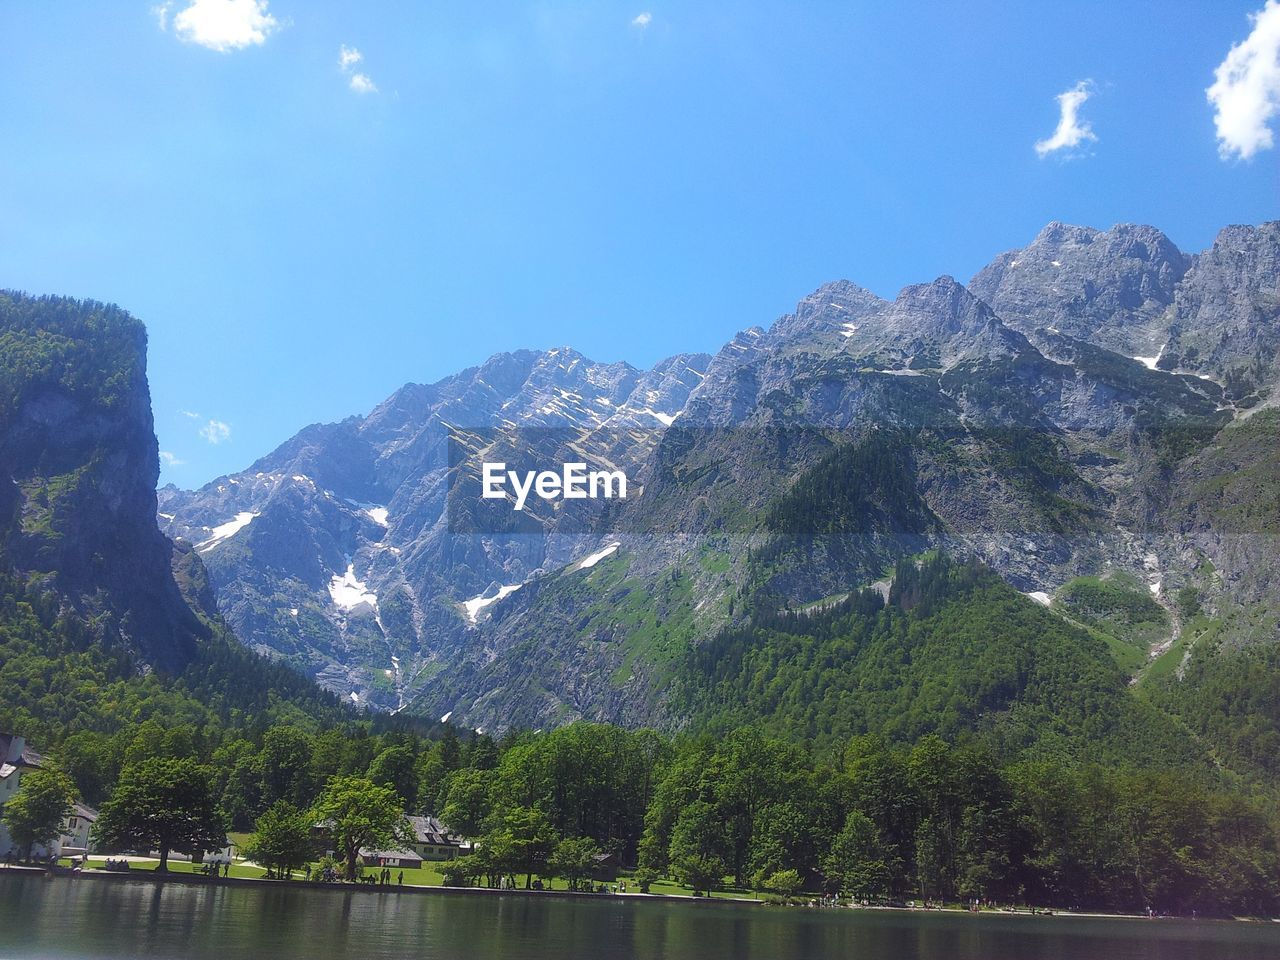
(62, 918)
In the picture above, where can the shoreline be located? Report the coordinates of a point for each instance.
(197, 880)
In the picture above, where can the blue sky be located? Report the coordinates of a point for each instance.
(303, 235)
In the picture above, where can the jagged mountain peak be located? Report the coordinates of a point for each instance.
(944, 296)
(1111, 287)
(1058, 232)
(831, 313)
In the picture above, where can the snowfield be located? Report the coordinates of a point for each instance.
(476, 604)
(224, 531)
(348, 592)
(596, 557)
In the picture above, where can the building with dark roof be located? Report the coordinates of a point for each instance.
(433, 841)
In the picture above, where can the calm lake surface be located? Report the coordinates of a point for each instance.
(62, 918)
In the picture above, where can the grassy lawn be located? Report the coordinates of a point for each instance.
(670, 888)
(238, 870)
(426, 876)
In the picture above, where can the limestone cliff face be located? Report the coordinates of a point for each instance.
(78, 469)
(1060, 416)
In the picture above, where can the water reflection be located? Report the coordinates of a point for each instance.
(63, 918)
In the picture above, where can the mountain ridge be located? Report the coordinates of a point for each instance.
(1043, 451)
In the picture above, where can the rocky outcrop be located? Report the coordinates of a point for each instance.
(1111, 288)
(79, 456)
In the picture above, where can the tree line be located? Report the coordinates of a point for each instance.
(870, 820)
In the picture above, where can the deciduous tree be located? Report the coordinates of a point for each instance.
(35, 813)
(359, 813)
(163, 804)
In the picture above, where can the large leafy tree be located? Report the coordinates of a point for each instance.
(287, 770)
(855, 864)
(163, 804)
(697, 847)
(573, 859)
(394, 768)
(467, 803)
(360, 813)
(35, 813)
(529, 836)
(281, 839)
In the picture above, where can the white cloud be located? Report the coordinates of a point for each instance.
(348, 57)
(1071, 131)
(642, 20)
(169, 460)
(215, 431)
(161, 12)
(221, 25)
(1246, 88)
(191, 414)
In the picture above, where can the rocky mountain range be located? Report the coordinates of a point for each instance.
(1095, 406)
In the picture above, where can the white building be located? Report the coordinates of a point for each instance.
(15, 757)
(73, 841)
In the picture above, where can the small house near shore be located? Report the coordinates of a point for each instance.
(604, 867)
(404, 859)
(73, 841)
(433, 841)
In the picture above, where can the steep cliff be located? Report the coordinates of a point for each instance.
(78, 469)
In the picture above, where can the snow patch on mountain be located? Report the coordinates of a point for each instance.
(348, 592)
(590, 561)
(1150, 362)
(224, 531)
(373, 511)
(666, 419)
(476, 604)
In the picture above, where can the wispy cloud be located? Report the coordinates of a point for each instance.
(1071, 131)
(1246, 88)
(190, 414)
(170, 460)
(642, 20)
(222, 25)
(348, 57)
(215, 432)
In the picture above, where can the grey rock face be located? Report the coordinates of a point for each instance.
(335, 550)
(1225, 319)
(1010, 418)
(1111, 288)
(78, 468)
